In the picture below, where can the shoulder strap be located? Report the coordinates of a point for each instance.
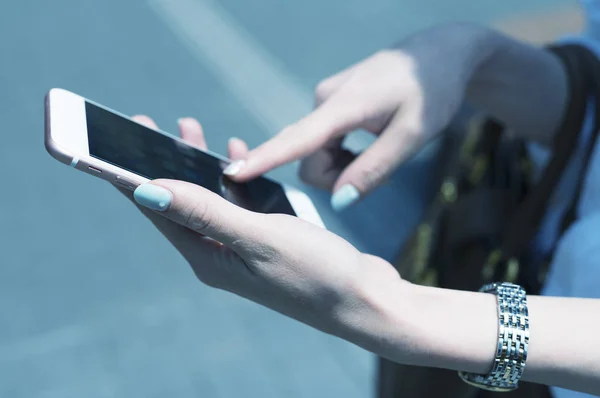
(583, 70)
(594, 69)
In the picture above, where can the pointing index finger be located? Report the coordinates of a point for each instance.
(334, 118)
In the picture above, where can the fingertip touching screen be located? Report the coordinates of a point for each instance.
(143, 151)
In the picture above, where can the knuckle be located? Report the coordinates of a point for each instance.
(222, 269)
(206, 277)
(197, 217)
(318, 171)
(286, 134)
(385, 56)
(305, 176)
(323, 89)
(202, 270)
(381, 54)
(413, 134)
(289, 130)
(371, 175)
(306, 171)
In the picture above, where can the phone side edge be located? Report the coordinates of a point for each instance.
(303, 206)
(52, 147)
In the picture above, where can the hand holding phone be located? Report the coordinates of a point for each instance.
(111, 146)
(282, 262)
(279, 261)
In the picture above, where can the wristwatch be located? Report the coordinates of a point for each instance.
(513, 340)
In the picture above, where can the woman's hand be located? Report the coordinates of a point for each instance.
(406, 96)
(279, 261)
(403, 95)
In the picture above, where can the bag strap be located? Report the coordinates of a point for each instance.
(571, 213)
(583, 71)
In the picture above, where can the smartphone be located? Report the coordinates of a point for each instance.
(109, 145)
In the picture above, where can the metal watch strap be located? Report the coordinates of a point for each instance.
(513, 340)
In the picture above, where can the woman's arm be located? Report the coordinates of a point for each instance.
(458, 330)
(314, 276)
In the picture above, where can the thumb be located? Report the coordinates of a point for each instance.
(369, 170)
(199, 210)
(334, 118)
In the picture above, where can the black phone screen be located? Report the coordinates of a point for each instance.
(140, 150)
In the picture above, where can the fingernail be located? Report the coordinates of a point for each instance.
(344, 197)
(153, 197)
(231, 139)
(234, 167)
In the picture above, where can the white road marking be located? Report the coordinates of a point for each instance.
(259, 80)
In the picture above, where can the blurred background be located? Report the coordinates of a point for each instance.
(93, 302)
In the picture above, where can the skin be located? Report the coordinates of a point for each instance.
(406, 96)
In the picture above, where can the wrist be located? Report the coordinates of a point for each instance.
(376, 315)
(419, 325)
(452, 329)
(522, 85)
(465, 46)
(482, 44)
(431, 327)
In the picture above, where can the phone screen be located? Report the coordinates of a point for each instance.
(140, 150)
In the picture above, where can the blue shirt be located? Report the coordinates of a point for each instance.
(575, 271)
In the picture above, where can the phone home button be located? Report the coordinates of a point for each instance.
(124, 183)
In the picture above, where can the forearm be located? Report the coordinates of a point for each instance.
(458, 330)
(522, 85)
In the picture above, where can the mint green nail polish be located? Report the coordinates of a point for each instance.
(153, 197)
(344, 197)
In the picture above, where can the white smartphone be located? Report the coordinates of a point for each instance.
(106, 144)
